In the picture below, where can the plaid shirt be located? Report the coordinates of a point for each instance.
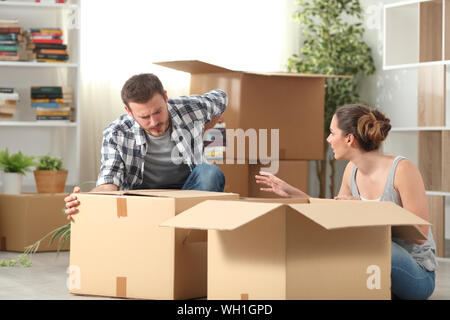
(125, 146)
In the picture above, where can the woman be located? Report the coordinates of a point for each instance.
(356, 135)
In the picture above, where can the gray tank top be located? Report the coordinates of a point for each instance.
(423, 254)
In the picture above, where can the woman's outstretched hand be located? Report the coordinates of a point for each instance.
(274, 184)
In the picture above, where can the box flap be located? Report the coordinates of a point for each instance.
(220, 215)
(275, 200)
(199, 67)
(408, 233)
(332, 214)
(298, 75)
(167, 193)
(193, 66)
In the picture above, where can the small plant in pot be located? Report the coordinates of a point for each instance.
(49, 175)
(14, 167)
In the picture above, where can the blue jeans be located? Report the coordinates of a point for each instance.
(206, 177)
(409, 280)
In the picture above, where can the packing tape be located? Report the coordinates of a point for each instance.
(121, 207)
(3, 243)
(121, 287)
(244, 296)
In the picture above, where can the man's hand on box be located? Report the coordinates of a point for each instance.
(72, 203)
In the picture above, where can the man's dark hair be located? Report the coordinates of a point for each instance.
(141, 88)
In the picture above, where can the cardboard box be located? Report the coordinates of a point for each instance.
(296, 173)
(26, 218)
(291, 102)
(119, 250)
(299, 249)
(236, 178)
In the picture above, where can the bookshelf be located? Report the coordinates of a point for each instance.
(32, 64)
(417, 36)
(23, 132)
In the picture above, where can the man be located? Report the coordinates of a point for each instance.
(158, 144)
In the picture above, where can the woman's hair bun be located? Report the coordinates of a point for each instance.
(369, 126)
(373, 126)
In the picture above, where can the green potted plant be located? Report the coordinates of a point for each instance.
(333, 44)
(14, 167)
(50, 175)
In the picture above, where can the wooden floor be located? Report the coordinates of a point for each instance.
(47, 279)
(442, 289)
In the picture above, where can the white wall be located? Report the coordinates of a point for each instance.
(251, 35)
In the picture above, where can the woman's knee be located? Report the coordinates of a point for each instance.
(409, 279)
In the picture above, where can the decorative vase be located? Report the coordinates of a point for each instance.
(12, 183)
(50, 181)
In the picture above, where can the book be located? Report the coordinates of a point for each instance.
(54, 112)
(8, 109)
(51, 89)
(65, 109)
(6, 90)
(62, 57)
(50, 105)
(50, 96)
(59, 41)
(8, 42)
(9, 48)
(51, 1)
(49, 37)
(47, 34)
(9, 30)
(9, 37)
(38, 46)
(51, 60)
(8, 102)
(52, 117)
(8, 53)
(9, 96)
(51, 51)
(51, 100)
(5, 23)
(45, 30)
(9, 58)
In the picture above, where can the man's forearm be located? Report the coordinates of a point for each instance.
(105, 187)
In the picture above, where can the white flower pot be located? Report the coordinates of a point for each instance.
(12, 183)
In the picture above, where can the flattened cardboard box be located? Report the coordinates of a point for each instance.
(28, 217)
(119, 250)
(291, 102)
(299, 249)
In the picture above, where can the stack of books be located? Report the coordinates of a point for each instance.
(52, 103)
(9, 40)
(51, 1)
(215, 142)
(8, 102)
(47, 45)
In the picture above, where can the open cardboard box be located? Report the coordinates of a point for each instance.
(299, 248)
(117, 248)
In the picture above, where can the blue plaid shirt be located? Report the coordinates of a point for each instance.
(125, 146)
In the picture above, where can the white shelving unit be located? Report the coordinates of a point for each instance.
(403, 39)
(23, 132)
(417, 46)
(416, 129)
